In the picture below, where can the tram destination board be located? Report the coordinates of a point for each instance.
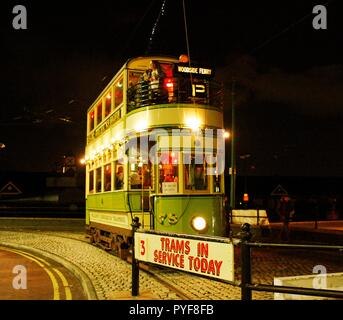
(200, 255)
(200, 71)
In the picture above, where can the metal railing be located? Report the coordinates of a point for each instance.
(175, 90)
(247, 286)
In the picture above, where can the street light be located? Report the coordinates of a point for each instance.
(2, 145)
(227, 135)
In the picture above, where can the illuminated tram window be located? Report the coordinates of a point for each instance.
(91, 182)
(134, 77)
(118, 92)
(99, 113)
(108, 104)
(119, 176)
(98, 179)
(140, 174)
(107, 177)
(195, 174)
(91, 120)
(168, 172)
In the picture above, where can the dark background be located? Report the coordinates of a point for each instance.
(289, 77)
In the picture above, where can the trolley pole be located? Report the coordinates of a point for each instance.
(233, 137)
(135, 264)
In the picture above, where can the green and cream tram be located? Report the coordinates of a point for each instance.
(155, 151)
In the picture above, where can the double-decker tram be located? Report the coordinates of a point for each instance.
(155, 150)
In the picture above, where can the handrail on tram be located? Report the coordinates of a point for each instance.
(174, 91)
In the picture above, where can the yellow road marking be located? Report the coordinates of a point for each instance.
(65, 284)
(59, 273)
(54, 282)
(31, 255)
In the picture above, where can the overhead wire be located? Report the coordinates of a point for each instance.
(187, 41)
(132, 34)
(153, 31)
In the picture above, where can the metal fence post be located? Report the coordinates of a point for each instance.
(245, 235)
(135, 264)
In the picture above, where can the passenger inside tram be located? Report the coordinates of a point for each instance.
(154, 77)
(136, 179)
(120, 178)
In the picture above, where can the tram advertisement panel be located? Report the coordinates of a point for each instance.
(203, 257)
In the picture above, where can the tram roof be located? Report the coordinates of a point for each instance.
(143, 62)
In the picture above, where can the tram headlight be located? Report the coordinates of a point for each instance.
(199, 224)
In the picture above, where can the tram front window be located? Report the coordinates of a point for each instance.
(140, 175)
(195, 174)
(168, 172)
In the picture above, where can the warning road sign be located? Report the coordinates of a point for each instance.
(279, 191)
(10, 189)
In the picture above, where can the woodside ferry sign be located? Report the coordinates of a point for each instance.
(196, 255)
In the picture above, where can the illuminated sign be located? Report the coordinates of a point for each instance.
(201, 256)
(198, 88)
(186, 69)
(169, 187)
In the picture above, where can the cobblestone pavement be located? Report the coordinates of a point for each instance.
(109, 274)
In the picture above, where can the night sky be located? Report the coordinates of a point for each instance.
(289, 77)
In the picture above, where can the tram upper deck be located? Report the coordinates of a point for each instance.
(183, 97)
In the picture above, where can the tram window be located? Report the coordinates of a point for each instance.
(134, 77)
(147, 180)
(98, 179)
(99, 113)
(168, 172)
(91, 182)
(118, 92)
(108, 104)
(91, 120)
(107, 177)
(167, 69)
(140, 174)
(195, 175)
(217, 183)
(135, 177)
(119, 176)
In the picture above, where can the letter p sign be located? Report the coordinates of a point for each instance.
(197, 88)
